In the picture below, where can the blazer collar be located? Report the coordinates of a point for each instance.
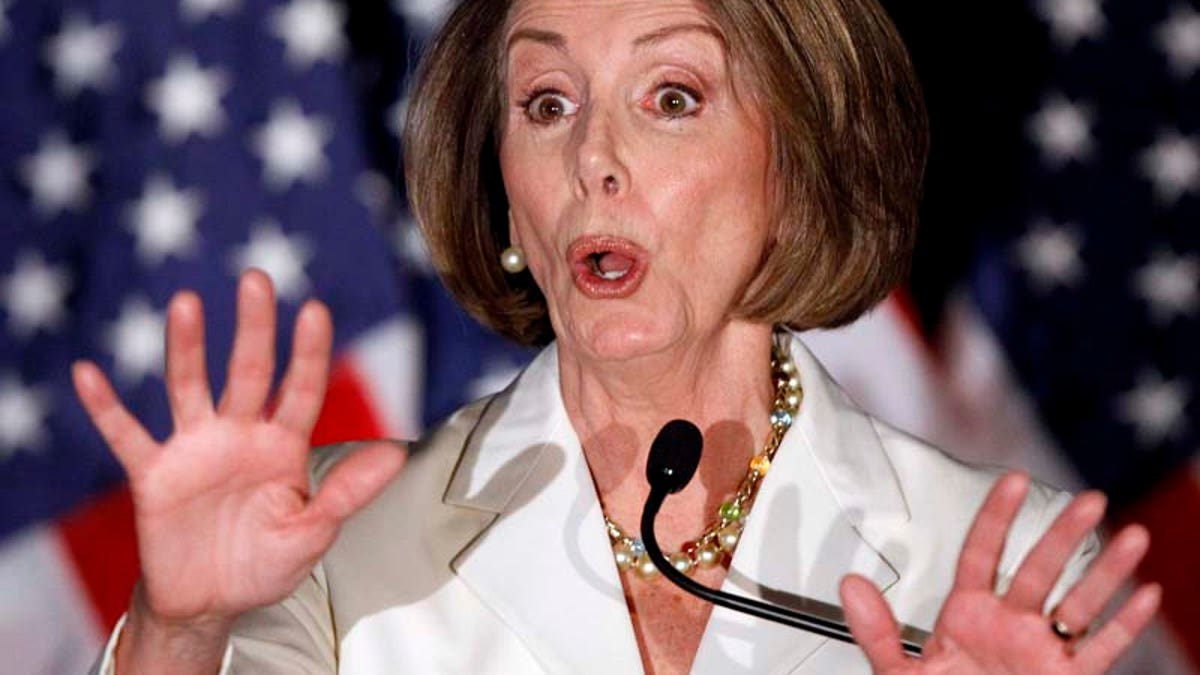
(821, 512)
(545, 567)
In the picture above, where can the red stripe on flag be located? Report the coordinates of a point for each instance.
(103, 545)
(902, 299)
(1172, 514)
(348, 413)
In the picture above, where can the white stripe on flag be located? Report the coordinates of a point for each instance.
(46, 624)
(390, 362)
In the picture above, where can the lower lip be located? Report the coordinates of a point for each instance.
(599, 288)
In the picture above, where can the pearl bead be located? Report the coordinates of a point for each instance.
(793, 383)
(624, 557)
(707, 556)
(728, 536)
(681, 562)
(646, 568)
(786, 367)
(512, 259)
(793, 401)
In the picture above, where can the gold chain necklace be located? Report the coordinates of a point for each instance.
(716, 543)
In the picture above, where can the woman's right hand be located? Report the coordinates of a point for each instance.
(225, 519)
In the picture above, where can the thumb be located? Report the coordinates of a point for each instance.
(357, 479)
(872, 624)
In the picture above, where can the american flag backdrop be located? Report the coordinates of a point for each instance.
(1052, 321)
(147, 147)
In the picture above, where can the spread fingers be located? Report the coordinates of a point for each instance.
(252, 362)
(126, 437)
(1098, 652)
(187, 374)
(303, 388)
(1116, 563)
(985, 541)
(1043, 565)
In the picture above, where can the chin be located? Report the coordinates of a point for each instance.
(625, 335)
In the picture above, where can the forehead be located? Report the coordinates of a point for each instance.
(589, 18)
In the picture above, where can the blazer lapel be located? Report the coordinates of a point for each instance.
(828, 495)
(544, 565)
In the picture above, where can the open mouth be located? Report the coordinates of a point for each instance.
(607, 267)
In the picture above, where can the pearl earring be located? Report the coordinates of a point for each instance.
(512, 259)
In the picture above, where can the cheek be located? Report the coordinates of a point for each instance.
(532, 183)
(716, 195)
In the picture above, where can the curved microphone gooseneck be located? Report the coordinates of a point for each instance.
(674, 456)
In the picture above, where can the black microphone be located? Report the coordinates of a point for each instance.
(674, 456)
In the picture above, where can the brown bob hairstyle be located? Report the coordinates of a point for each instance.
(848, 137)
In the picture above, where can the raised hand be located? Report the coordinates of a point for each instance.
(225, 518)
(978, 631)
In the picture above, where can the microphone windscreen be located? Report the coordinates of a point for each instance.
(674, 456)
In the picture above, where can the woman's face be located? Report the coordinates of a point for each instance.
(637, 179)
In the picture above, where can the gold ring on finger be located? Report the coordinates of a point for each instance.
(1060, 629)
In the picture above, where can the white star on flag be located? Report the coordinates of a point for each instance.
(374, 191)
(57, 175)
(1154, 408)
(291, 146)
(282, 257)
(135, 340)
(1170, 284)
(1072, 20)
(1063, 131)
(1179, 38)
(427, 14)
(1051, 254)
(196, 11)
(395, 117)
(23, 411)
(1173, 165)
(81, 55)
(35, 295)
(411, 245)
(311, 31)
(164, 220)
(187, 99)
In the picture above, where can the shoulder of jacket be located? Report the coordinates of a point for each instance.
(920, 466)
(433, 445)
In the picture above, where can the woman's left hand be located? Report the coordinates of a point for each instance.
(979, 631)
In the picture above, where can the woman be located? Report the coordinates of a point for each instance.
(655, 187)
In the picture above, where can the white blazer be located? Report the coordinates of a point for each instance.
(488, 554)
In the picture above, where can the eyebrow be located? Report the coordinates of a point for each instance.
(665, 32)
(558, 42)
(544, 37)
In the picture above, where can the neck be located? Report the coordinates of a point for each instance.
(721, 383)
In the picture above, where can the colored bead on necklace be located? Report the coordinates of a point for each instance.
(716, 544)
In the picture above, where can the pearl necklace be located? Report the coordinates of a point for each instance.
(716, 543)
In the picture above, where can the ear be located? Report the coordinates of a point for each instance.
(513, 239)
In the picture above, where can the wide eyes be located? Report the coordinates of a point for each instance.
(669, 100)
(674, 100)
(548, 107)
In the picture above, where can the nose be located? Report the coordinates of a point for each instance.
(600, 169)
